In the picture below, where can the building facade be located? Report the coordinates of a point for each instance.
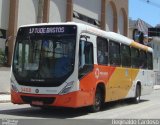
(151, 38)
(108, 15)
(155, 44)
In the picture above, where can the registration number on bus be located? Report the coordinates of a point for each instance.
(26, 89)
(37, 103)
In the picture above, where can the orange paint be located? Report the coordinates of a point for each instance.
(117, 81)
(140, 46)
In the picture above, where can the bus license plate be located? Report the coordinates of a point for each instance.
(37, 103)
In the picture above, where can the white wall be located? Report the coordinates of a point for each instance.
(57, 11)
(4, 18)
(4, 79)
(90, 8)
(4, 13)
(109, 18)
(121, 22)
(130, 33)
(28, 11)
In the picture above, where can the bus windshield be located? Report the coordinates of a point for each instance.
(44, 58)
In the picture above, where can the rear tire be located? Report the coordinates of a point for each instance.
(137, 98)
(98, 101)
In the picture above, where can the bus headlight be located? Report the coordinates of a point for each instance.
(67, 88)
(13, 86)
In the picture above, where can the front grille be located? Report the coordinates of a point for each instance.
(45, 100)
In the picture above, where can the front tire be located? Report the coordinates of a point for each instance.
(98, 101)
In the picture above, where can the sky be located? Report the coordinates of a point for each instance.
(150, 13)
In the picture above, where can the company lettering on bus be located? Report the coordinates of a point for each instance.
(47, 30)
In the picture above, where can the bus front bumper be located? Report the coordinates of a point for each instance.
(73, 99)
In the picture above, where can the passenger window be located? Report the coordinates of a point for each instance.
(150, 61)
(143, 60)
(114, 53)
(125, 56)
(102, 51)
(135, 57)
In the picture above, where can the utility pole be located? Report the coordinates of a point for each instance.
(43, 11)
(12, 27)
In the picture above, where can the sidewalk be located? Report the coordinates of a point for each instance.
(5, 84)
(5, 79)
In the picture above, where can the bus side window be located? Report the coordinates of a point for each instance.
(114, 53)
(85, 58)
(135, 57)
(102, 51)
(150, 61)
(143, 60)
(125, 55)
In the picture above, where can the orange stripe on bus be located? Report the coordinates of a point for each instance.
(120, 83)
(139, 46)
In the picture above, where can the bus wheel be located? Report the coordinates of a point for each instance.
(137, 98)
(97, 101)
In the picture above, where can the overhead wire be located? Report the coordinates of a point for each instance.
(151, 3)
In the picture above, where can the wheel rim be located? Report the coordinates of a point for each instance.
(98, 101)
(138, 94)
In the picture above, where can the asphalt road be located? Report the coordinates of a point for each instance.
(148, 108)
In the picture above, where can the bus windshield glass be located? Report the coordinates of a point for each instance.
(44, 56)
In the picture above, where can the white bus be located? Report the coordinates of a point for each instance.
(76, 65)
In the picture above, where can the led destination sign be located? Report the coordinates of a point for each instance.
(46, 30)
(42, 31)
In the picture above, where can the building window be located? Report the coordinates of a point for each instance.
(114, 53)
(86, 19)
(125, 55)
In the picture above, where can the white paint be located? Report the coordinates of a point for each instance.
(27, 12)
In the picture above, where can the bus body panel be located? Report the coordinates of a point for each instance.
(120, 82)
(117, 87)
(73, 99)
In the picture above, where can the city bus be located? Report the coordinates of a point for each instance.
(75, 65)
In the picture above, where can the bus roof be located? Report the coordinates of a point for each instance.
(108, 35)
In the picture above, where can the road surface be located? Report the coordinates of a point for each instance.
(148, 108)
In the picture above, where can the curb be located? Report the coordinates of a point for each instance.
(156, 87)
(4, 98)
